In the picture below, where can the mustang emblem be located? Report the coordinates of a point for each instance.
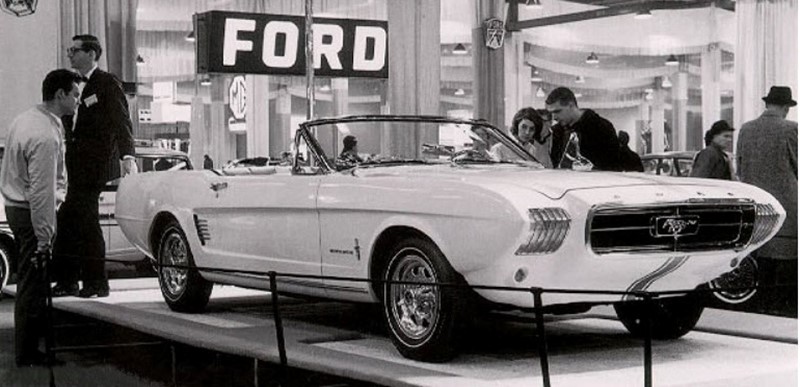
(676, 226)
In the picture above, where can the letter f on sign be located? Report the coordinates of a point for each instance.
(231, 43)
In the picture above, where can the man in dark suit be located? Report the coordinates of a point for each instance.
(97, 138)
(596, 135)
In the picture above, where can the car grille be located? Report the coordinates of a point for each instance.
(674, 227)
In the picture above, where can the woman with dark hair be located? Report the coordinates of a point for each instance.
(713, 162)
(533, 134)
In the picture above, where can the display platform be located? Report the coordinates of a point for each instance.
(727, 349)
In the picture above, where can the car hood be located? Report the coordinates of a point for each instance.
(549, 182)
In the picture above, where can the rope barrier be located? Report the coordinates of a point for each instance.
(648, 298)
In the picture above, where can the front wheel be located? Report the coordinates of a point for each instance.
(670, 318)
(183, 288)
(5, 264)
(738, 285)
(423, 319)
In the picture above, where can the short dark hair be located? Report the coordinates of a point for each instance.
(562, 95)
(532, 115)
(61, 79)
(624, 138)
(90, 42)
(349, 142)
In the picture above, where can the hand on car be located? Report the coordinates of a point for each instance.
(129, 166)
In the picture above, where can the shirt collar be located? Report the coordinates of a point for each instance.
(88, 75)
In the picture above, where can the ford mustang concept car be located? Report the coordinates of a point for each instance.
(429, 200)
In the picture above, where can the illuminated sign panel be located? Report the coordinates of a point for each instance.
(249, 43)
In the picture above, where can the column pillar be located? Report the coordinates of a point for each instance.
(657, 122)
(221, 143)
(642, 124)
(279, 138)
(258, 126)
(711, 66)
(680, 100)
(488, 67)
(414, 73)
(340, 88)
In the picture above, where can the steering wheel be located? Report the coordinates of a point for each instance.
(470, 154)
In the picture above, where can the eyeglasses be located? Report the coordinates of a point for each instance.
(73, 50)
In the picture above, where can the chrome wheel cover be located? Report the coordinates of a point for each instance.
(743, 276)
(173, 252)
(415, 308)
(5, 268)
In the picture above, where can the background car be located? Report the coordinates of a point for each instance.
(465, 205)
(675, 163)
(149, 159)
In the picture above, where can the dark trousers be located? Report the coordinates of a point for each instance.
(783, 274)
(30, 304)
(80, 249)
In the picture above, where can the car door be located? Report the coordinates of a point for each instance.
(264, 223)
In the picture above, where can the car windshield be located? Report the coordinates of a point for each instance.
(375, 143)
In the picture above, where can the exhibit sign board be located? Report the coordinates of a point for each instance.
(252, 43)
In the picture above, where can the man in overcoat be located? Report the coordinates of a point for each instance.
(97, 139)
(767, 158)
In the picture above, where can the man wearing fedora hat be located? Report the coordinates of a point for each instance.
(767, 158)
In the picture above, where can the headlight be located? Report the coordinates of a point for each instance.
(548, 229)
(766, 220)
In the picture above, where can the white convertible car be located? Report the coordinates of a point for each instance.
(430, 199)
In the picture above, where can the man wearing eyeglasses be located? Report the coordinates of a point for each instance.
(98, 137)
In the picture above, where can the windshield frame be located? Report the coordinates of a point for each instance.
(306, 132)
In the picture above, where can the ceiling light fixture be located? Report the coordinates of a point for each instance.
(580, 79)
(578, 95)
(533, 4)
(190, 37)
(205, 81)
(592, 59)
(643, 15)
(139, 60)
(540, 92)
(459, 92)
(325, 88)
(672, 60)
(459, 49)
(666, 83)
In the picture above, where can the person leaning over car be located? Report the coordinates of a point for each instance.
(32, 184)
(596, 135)
(712, 162)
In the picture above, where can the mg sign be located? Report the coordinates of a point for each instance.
(237, 104)
(234, 42)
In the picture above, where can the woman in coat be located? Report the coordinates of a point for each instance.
(713, 162)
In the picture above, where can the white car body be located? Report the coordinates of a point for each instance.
(478, 215)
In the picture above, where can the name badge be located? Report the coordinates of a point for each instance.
(90, 100)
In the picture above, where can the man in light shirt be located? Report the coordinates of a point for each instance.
(32, 184)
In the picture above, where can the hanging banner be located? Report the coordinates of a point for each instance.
(250, 43)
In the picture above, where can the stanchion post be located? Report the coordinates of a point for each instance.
(49, 335)
(648, 340)
(540, 334)
(273, 288)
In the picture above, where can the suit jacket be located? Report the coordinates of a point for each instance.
(598, 141)
(102, 134)
(767, 158)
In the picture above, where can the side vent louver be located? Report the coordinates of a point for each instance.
(202, 229)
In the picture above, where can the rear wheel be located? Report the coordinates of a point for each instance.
(183, 288)
(423, 319)
(670, 318)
